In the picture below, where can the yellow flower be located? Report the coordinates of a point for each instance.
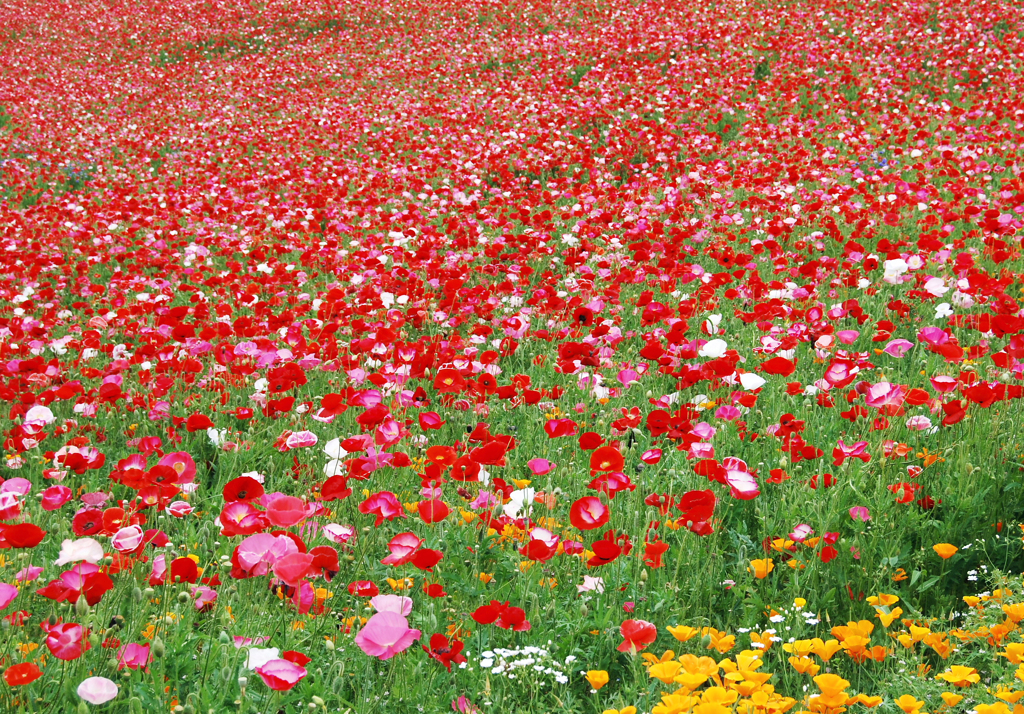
(486, 578)
(665, 671)
(402, 584)
(883, 600)
(597, 678)
(909, 704)
(951, 699)
(997, 708)
(887, 618)
(683, 632)
(1015, 612)
(760, 568)
(945, 551)
(960, 676)
(831, 683)
(824, 649)
(804, 665)
(1014, 652)
(624, 710)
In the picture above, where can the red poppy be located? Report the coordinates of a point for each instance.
(23, 535)
(184, 569)
(502, 615)
(433, 511)
(425, 559)
(609, 548)
(588, 513)
(87, 522)
(242, 488)
(21, 674)
(363, 588)
(653, 552)
(335, 488)
(637, 635)
(445, 651)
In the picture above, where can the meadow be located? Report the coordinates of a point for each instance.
(587, 356)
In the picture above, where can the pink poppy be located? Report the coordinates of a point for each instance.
(66, 641)
(284, 511)
(182, 464)
(55, 496)
(281, 674)
(742, 484)
(7, 594)
(386, 634)
(384, 505)
(293, 568)
(898, 348)
(203, 598)
(403, 547)
(860, 513)
(133, 656)
(540, 467)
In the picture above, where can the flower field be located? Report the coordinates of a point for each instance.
(535, 356)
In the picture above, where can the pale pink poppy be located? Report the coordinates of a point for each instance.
(18, 486)
(300, 439)
(386, 634)
(848, 337)
(97, 690)
(127, 539)
(898, 348)
(885, 394)
(339, 533)
(397, 604)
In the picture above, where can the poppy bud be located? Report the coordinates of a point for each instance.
(188, 709)
(183, 597)
(318, 701)
(52, 620)
(94, 640)
(329, 645)
(584, 610)
(224, 637)
(83, 708)
(643, 575)
(135, 705)
(227, 673)
(158, 649)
